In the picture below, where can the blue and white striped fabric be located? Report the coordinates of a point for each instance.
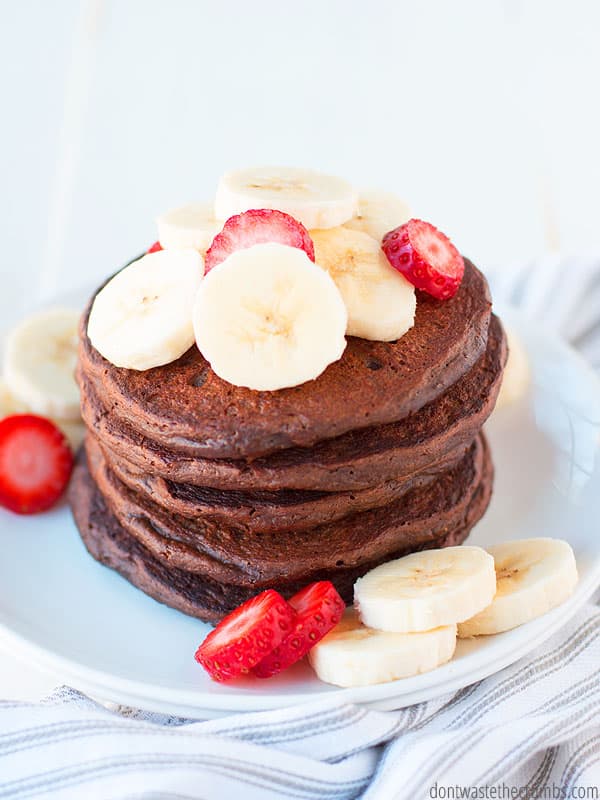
(533, 725)
(532, 730)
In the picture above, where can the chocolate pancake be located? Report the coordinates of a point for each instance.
(261, 511)
(355, 460)
(199, 595)
(186, 408)
(229, 553)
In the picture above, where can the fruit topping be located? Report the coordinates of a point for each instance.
(269, 318)
(35, 463)
(381, 303)
(246, 636)
(316, 200)
(426, 590)
(142, 318)
(258, 226)
(426, 257)
(192, 226)
(319, 608)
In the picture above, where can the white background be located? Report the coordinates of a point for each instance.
(483, 114)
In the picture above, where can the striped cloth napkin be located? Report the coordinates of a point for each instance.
(532, 730)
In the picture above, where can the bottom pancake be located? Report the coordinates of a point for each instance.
(195, 593)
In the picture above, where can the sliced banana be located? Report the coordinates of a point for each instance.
(39, 363)
(381, 303)
(533, 576)
(9, 404)
(316, 200)
(74, 431)
(142, 318)
(517, 373)
(192, 226)
(354, 655)
(426, 590)
(378, 213)
(267, 318)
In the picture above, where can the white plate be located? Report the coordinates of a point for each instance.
(62, 610)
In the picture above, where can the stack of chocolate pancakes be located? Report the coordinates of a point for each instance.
(202, 493)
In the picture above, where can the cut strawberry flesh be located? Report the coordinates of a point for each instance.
(319, 608)
(154, 248)
(244, 637)
(35, 463)
(426, 258)
(258, 226)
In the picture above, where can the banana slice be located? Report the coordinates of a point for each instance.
(354, 655)
(426, 590)
(381, 303)
(9, 404)
(267, 318)
(378, 213)
(533, 576)
(39, 363)
(192, 226)
(517, 374)
(74, 431)
(316, 200)
(143, 316)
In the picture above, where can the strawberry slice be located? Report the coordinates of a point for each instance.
(35, 463)
(258, 226)
(154, 248)
(245, 636)
(426, 258)
(319, 608)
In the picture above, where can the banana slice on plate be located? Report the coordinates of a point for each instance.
(316, 200)
(267, 318)
(9, 404)
(427, 589)
(39, 363)
(142, 318)
(74, 432)
(192, 226)
(354, 655)
(517, 373)
(378, 213)
(381, 303)
(533, 576)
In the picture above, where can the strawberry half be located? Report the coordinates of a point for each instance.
(258, 226)
(154, 248)
(35, 463)
(426, 258)
(245, 636)
(319, 608)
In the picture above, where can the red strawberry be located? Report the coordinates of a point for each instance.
(319, 608)
(35, 463)
(154, 248)
(245, 636)
(258, 226)
(426, 258)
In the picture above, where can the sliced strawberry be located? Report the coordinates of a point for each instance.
(258, 226)
(245, 636)
(319, 608)
(35, 463)
(154, 248)
(426, 258)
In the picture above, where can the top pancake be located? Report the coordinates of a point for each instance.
(184, 404)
